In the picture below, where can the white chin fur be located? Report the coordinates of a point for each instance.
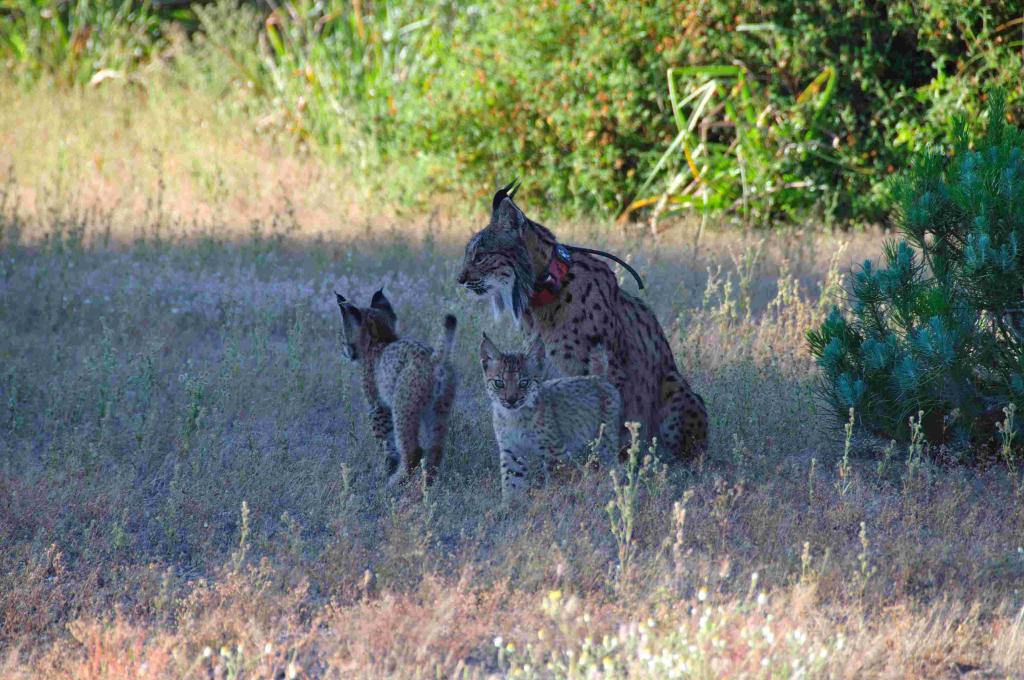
(501, 301)
(497, 305)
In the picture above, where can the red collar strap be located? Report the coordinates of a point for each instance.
(549, 284)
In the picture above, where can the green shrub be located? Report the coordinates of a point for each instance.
(574, 95)
(754, 167)
(814, 104)
(939, 327)
(74, 40)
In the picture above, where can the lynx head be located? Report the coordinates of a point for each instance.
(366, 328)
(497, 263)
(512, 380)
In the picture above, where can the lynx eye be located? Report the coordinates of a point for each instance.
(523, 384)
(479, 257)
(498, 384)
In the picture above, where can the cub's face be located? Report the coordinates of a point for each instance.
(366, 327)
(512, 380)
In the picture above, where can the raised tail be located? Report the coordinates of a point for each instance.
(447, 340)
(598, 361)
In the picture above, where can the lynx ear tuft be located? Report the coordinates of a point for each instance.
(504, 213)
(507, 191)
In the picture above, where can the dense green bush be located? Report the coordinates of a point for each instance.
(821, 102)
(939, 327)
(75, 40)
(574, 94)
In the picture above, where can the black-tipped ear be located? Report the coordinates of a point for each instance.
(507, 191)
(488, 351)
(380, 302)
(350, 312)
(507, 216)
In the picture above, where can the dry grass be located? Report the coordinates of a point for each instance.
(162, 366)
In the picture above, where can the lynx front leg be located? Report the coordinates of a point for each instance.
(513, 474)
(383, 431)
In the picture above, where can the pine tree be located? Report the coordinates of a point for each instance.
(938, 328)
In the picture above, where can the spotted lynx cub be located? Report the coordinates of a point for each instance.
(409, 387)
(538, 421)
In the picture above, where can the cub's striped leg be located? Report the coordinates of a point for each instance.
(514, 466)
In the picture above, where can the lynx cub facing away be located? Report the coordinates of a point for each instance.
(546, 421)
(409, 387)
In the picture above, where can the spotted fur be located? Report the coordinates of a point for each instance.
(541, 423)
(409, 387)
(501, 263)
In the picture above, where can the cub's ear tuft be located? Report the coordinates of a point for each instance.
(380, 302)
(349, 312)
(488, 351)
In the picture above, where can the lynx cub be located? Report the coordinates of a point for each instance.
(409, 387)
(546, 421)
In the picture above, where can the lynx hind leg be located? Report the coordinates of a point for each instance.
(514, 467)
(407, 412)
(683, 426)
(435, 419)
(383, 431)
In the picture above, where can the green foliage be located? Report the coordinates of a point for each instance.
(749, 161)
(77, 41)
(326, 66)
(758, 109)
(939, 327)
